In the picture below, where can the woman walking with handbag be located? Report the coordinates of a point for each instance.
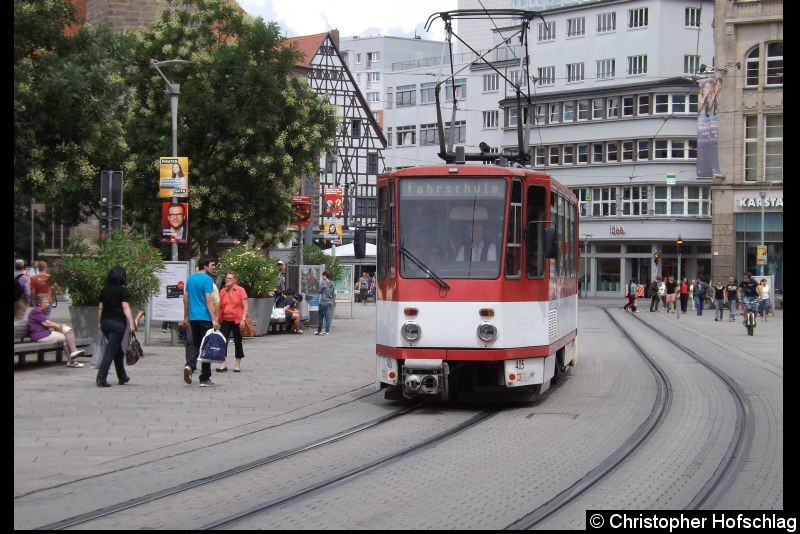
(232, 315)
(112, 314)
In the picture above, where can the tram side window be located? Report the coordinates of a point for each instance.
(554, 265)
(514, 238)
(386, 233)
(535, 212)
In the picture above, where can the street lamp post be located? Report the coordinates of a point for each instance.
(679, 247)
(586, 238)
(763, 195)
(174, 90)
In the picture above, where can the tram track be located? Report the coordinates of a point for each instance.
(200, 438)
(222, 475)
(658, 412)
(724, 474)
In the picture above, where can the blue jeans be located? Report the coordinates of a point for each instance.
(114, 331)
(763, 307)
(199, 329)
(325, 312)
(732, 309)
(698, 304)
(719, 305)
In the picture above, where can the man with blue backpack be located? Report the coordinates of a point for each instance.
(199, 313)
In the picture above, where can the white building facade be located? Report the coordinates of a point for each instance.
(614, 117)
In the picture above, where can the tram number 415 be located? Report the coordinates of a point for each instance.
(520, 365)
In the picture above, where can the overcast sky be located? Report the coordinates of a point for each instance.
(352, 17)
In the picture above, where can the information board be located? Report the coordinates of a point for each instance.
(168, 304)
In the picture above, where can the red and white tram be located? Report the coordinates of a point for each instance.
(477, 280)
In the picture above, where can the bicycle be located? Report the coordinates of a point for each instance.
(751, 305)
(708, 299)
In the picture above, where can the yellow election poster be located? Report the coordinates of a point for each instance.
(173, 177)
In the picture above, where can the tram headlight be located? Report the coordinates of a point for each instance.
(411, 331)
(487, 331)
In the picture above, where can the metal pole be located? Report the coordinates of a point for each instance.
(680, 282)
(174, 91)
(763, 201)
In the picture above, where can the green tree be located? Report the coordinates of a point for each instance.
(313, 255)
(251, 128)
(68, 107)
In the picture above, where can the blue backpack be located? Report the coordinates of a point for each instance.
(213, 347)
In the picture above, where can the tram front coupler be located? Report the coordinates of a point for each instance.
(425, 378)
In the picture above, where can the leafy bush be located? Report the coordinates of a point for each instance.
(313, 255)
(258, 275)
(83, 271)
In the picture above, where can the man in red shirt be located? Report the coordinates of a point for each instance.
(41, 283)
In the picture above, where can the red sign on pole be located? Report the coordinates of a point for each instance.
(301, 210)
(333, 201)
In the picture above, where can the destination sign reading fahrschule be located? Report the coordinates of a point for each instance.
(486, 188)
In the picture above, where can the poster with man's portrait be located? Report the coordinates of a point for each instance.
(174, 222)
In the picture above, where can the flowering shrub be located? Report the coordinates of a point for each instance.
(258, 275)
(84, 271)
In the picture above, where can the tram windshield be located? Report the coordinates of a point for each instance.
(452, 225)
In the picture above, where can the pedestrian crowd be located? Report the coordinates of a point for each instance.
(733, 295)
(206, 309)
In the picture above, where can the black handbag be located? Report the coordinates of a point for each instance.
(133, 353)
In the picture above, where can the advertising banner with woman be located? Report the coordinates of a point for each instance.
(173, 177)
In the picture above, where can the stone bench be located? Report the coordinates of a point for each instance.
(23, 345)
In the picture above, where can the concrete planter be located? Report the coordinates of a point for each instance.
(260, 311)
(83, 320)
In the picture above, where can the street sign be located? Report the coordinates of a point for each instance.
(671, 178)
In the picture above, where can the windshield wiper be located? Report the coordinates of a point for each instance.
(439, 280)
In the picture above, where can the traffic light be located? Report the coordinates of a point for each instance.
(656, 257)
(679, 244)
(360, 243)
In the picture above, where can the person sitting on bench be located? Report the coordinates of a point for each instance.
(42, 330)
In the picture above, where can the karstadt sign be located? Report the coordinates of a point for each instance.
(751, 201)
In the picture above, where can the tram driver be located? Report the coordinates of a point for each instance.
(480, 249)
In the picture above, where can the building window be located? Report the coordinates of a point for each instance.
(372, 163)
(358, 58)
(637, 18)
(406, 135)
(606, 22)
(634, 200)
(569, 154)
(372, 57)
(490, 119)
(597, 152)
(775, 64)
(583, 154)
(427, 93)
(461, 89)
(539, 116)
(604, 201)
(627, 106)
(373, 76)
(546, 76)
(491, 83)
(346, 57)
(428, 135)
(539, 154)
(691, 64)
(676, 103)
(406, 95)
(389, 136)
(460, 133)
(518, 78)
(547, 31)
(612, 103)
(692, 19)
(555, 155)
(389, 97)
(682, 200)
(675, 149)
(366, 207)
(583, 110)
(644, 104)
(773, 147)
(374, 97)
(553, 113)
(637, 64)
(605, 69)
(569, 111)
(576, 27)
(627, 151)
(643, 150)
(751, 68)
(597, 108)
(355, 129)
(612, 156)
(575, 72)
